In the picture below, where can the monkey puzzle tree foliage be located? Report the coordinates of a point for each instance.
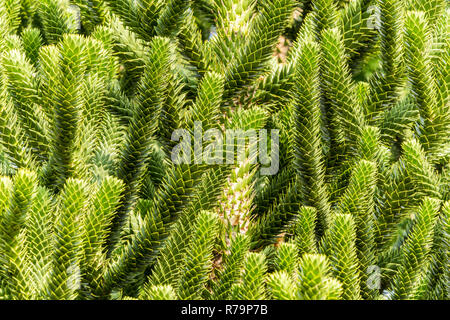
(93, 206)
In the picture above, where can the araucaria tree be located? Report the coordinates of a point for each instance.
(346, 101)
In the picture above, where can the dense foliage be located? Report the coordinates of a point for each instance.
(93, 207)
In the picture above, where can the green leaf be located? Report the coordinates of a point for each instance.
(309, 162)
(251, 286)
(198, 257)
(415, 250)
(339, 244)
(64, 278)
